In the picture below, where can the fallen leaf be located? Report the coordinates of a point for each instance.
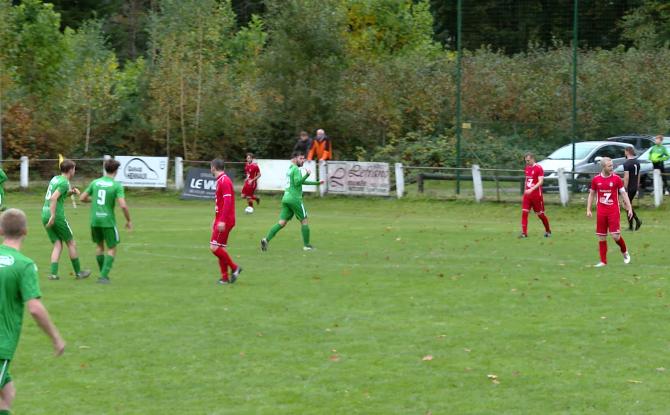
(634, 381)
(466, 350)
(334, 358)
(660, 369)
(603, 317)
(84, 347)
(427, 357)
(492, 377)
(242, 354)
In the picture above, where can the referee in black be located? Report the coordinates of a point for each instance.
(631, 181)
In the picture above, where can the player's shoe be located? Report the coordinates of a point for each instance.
(82, 274)
(235, 274)
(104, 280)
(308, 248)
(53, 277)
(264, 244)
(258, 200)
(600, 265)
(223, 282)
(523, 236)
(547, 234)
(626, 258)
(638, 224)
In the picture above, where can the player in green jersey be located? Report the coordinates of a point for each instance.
(291, 203)
(104, 193)
(57, 227)
(19, 287)
(3, 179)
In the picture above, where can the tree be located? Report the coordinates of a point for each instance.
(648, 26)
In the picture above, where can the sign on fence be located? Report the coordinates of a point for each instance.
(200, 184)
(358, 178)
(138, 171)
(273, 174)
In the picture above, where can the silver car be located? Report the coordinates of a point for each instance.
(587, 157)
(646, 168)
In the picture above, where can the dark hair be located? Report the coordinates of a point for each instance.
(250, 155)
(217, 164)
(529, 154)
(297, 153)
(302, 133)
(630, 150)
(111, 166)
(13, 223)
(67, 165)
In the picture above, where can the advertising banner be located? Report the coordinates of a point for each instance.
(273, 174)
(358, 178)
(138, 171)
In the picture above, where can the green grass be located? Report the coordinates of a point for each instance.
(344, 329)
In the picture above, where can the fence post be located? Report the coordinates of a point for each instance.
(399, 180)
(419, 182)
(477, 183)
(178, 173)
(323, 175)
(563, 187)
(23, 181)
(104, 159)
(658, 188)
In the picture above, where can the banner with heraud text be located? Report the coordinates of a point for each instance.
(358, 178)
(139, 171)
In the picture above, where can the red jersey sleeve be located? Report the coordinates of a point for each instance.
(228, 206)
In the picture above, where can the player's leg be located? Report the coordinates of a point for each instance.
(55, 256)
(635, 218)
(601, 232)
(285, 215)
(525, 209)
(98, 239)
(218, 245)
(538, 207)
(65, 234)
(615, 231)
(8, 392)
(111, 239)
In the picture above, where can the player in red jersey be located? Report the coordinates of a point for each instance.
(532, 196)
(253, 173)
(224, 222)
(606, 188)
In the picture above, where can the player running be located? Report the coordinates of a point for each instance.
(532, 196)
(253, 173)
(106, 192)
(224, 222)
(19, 287)
(57, 227)
(606, 188)
(291, 203)
(631, 181)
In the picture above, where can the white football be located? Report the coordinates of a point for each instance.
(249, 209)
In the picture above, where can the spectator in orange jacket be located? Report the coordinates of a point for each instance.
(321, 147)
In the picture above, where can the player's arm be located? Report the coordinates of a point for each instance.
(626, 178)
(258, 175)
(126, 213)
(41, 316)
(626, 201)
(3, 176)
(589, 203)
(53, 200)
(227, 208)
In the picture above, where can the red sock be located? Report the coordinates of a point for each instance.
(524, 222)
(621, 244)
(602, 245)
(223, 263)
(250, 202)
(222, 253)
(545, 221)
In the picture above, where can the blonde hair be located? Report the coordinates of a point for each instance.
(604, 160)
(13, 223)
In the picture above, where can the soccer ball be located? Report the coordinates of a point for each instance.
(249, 210)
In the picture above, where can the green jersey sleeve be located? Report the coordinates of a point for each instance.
(89, 189)
(63, 188)
(29, 284)
(3, 176)
(120, 193)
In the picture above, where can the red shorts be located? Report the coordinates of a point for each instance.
(608, 222)
(535, 202)
(249, 188)
(220, 238)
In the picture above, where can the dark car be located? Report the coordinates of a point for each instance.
(646, 168)
(639, 141)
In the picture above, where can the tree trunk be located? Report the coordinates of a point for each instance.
(198, 99)
(181, 113)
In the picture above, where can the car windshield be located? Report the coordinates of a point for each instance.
(581, 151)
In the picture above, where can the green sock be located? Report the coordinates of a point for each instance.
(75, 265)
(305, 234)
(273, 231)
(54, 268)
(101, 260)
(109, 260)
(5, 412)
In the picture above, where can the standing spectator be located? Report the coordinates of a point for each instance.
(321, 147)
(658, 155)
(304, 143)
(631, 181)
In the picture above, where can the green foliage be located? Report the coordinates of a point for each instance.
(648, 26)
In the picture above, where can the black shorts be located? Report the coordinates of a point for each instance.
(631, 193)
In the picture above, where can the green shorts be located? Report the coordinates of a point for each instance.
(289, 209)
(110, 236)
(60, 231)
(5, 377)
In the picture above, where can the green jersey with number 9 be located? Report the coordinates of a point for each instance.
(104, 192)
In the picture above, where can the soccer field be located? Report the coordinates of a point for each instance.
(406, 307)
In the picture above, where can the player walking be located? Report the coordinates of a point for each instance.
(106, 192)
(19, 286)
(253, 173)
(631, 181)
(291, 203)
(532, 196)
(224, 222)
(57, 227)
(606, 188)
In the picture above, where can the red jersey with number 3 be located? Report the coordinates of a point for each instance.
(607, 193)
(225, 200)
(533, 174)
(251, 170)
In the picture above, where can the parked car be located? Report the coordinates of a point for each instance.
(646, 168)
(639, 141)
